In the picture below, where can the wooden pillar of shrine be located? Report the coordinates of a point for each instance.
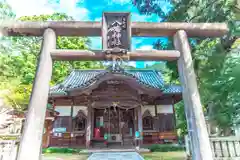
(89, 126)
(31, 139)
(135, 120)
(174, 114)
(140, 127)
(92, 123)
(201, 143)
(71, 123)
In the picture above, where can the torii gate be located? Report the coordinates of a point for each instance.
(116, 31)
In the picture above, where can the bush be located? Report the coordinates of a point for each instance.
(60, 150)
(165, 148)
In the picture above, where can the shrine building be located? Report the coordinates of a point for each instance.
(108, 107)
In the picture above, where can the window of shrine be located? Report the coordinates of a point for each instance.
(61, 122)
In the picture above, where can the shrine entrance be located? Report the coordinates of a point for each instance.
(114, 126)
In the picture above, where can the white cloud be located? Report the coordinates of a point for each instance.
(144, 18)
(69, 7)
(98, 19)
(38, 7)
(135, 41)
(146, 47)
(81, 14)
(132, 63)
(121, 2)
(138, 18)
(30, 7)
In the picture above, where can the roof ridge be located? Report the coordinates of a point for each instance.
(126, 72)
(139, 70)
(88, 70)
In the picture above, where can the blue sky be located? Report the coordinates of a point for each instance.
(88, 10)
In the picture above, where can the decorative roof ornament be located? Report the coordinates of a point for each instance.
(117, 63)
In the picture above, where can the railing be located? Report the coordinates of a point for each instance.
(226, 148)
(223, 148)
(8, 149)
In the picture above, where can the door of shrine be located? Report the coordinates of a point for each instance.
(114, 124)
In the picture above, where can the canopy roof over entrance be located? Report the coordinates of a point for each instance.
(83, 79)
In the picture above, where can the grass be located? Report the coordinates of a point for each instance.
(165, 148)
(164, 155)
(64, 156)
(147, 156)
(60, 150)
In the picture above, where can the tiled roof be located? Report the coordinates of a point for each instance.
(172, 89)
(84, 78)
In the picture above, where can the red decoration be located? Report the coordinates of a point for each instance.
(97, 132)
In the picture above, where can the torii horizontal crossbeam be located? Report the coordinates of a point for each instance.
(141, 29)
(98, 55)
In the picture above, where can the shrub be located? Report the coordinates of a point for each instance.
(165, 148)
(60, 150)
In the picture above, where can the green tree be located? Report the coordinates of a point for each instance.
(17, 68)
(214, 59)
(5, 11)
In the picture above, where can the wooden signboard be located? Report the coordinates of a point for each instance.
(59, 130)
(150, 133)
(116, 31)
(67, 135)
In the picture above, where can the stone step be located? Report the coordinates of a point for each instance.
(127, 139)
(116, 156)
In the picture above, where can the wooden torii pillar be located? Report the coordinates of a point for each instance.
(30, 144)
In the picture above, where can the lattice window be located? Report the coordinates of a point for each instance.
(166, 122)
(61, 122)
(58, 122)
